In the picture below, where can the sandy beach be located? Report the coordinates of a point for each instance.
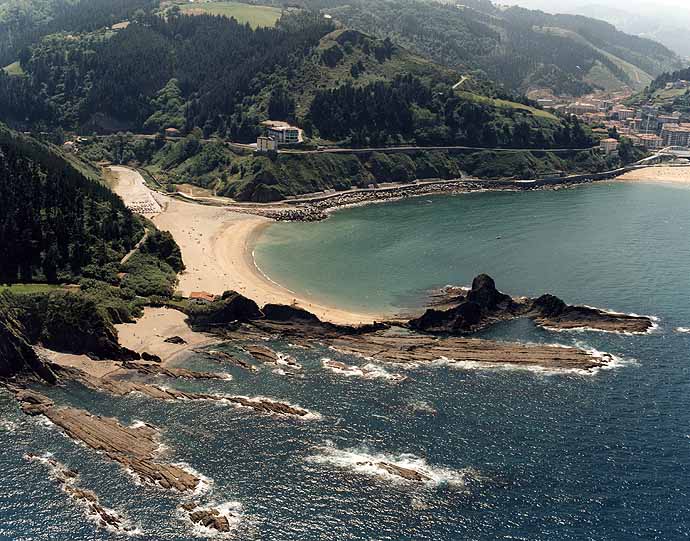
(217, 245)
(665, 174)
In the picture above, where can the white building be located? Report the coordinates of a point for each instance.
(608, 145)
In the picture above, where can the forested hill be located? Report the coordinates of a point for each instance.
(516, 47)
(55, 223)
(23, 22)
(204, 70)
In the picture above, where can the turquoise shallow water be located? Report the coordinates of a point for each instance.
(513, 454)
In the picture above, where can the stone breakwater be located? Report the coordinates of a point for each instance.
(318, 208)
(314, 209)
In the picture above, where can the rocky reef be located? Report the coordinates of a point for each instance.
(483, 305)
(67, 479)
(134, 448)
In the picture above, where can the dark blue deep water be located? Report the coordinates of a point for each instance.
(513, 454)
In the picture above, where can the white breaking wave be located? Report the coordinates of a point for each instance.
(205, 483)
(232, 511)
(8, 426)
(368, 371)
(137, 424)
(310, 415)
(363, 461)
(654, 328)
(92, 509)
(610, 362)
(287, 360)
(684, 330)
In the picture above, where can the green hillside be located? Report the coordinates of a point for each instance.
(515, 47)
(256, 16)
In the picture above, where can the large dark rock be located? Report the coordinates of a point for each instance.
(283, 312)
(485, 294)
(550, 311)
(461, 318)
(481, 305)
(231, 308)
(548, 306)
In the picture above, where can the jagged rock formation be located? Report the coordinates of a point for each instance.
(123, 388)
(156, 369)
(175, 340)
(207, 516)
(413, 349)
(16, 354)
(67, 479)
(133, 448)
(231, 308)
(484, 305)
(282, 312)
(268, 356)
(221, 356)
(550, 311)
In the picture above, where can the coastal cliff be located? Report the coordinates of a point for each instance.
(16, 354)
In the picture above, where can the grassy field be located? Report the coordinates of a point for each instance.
(245, 13)
(14, 68)
(25, 289)
(506, 104)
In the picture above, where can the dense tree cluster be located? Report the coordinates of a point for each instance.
(54, 222)
(660, 82)
(179, 71)
(23, 22)
(408, 110)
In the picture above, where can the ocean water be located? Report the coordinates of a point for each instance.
(512, 454)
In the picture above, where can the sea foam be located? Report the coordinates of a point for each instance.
(368, 371)
(232, 511)
(363, 460)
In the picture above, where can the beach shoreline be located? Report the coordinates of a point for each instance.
(217, 245)
(665, 174)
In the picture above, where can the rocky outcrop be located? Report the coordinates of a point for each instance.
(223, 357)
(550, 311)
(415, 349)
(178, 340)
(283, 312)
(407, 474)
(67, 479)
(268, 356)
(133, 448)
(483, 305)
(230, 309)
(207, 517)
(156, 369)
(124, 387)
(17, 356)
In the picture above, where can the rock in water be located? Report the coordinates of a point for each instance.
(484, 305)
(485, 294)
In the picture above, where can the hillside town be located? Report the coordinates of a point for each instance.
(649, 126)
